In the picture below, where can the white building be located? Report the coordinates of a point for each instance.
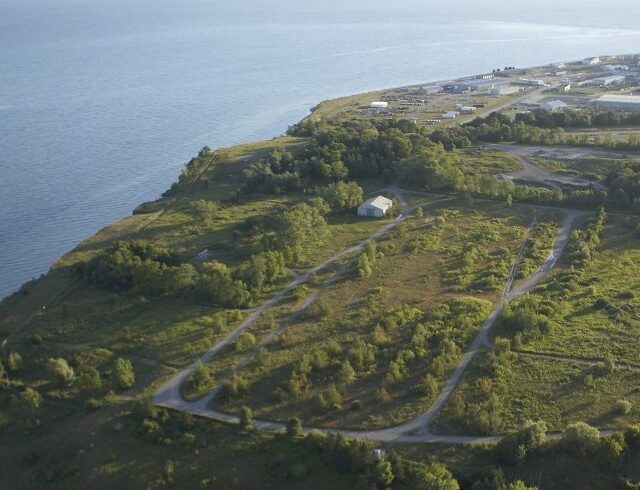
(376, 207)
(606, 81)
(591, 61)
(554, 105)
(431, 89)
(449, 115)
(467, 109)
(529, 81)
(505, 90)
(620, 102)
(378, 104)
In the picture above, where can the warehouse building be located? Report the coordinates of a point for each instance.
(375, 207)
(606, 81)
(619, 102)
(554, 105)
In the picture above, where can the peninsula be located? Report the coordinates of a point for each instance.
(432, 286)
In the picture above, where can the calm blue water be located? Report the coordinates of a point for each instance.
(101, 102)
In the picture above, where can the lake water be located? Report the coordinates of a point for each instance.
(102, 102)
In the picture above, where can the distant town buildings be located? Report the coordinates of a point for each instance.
(474, 85)
(379, 104)
(591, 61)
(431, 89)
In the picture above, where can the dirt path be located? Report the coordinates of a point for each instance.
(416, 430)
(576, 360)
(168, 395)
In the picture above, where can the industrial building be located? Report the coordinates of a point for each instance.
(606, 81)
(475, 85)
(430, 89)
(591, 61)
(505, 90)
(532, 82)
(620, 102)
(379, 105)
(554, 105)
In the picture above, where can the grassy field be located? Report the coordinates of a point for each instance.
(601, 310)
(526, 388)
(428, 287)
(382, 331)
(593, 311)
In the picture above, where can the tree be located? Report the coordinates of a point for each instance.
(435, 476)
(168, 470)
(301, 225)
(31, 401)
(342, 196)
(294, 427)
(384, 474)
(123, 374)
(347, 374)
(89, 380)
(246, 418)
(581, 439)
(216, 285)
(205, 210)
(622, 407)
(514, 448)
(2, 374)
(14, 361)
(201, 376)
(60, 370)
(364, 266)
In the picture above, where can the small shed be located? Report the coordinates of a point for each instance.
(376, 207)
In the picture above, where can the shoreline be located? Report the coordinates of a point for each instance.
(310, 114)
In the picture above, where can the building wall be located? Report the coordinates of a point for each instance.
(371, 212)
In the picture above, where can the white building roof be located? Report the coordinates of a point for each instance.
(627, 99)
(379, 202)
(554, 105)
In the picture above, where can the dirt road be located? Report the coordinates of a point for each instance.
(416, 430)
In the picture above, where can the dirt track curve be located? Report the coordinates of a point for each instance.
(416, 430)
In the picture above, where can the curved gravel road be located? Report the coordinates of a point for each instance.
(416, 430)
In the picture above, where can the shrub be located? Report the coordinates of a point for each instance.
(294, 427)
(201, 377)
(383, 395)
(356, 405)
(60, 370)
(123, 373)
(245, 341)
(580, 439)
(246, 417)
(514, 448)
(14, 361)
(601, 304)
(622, 407)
